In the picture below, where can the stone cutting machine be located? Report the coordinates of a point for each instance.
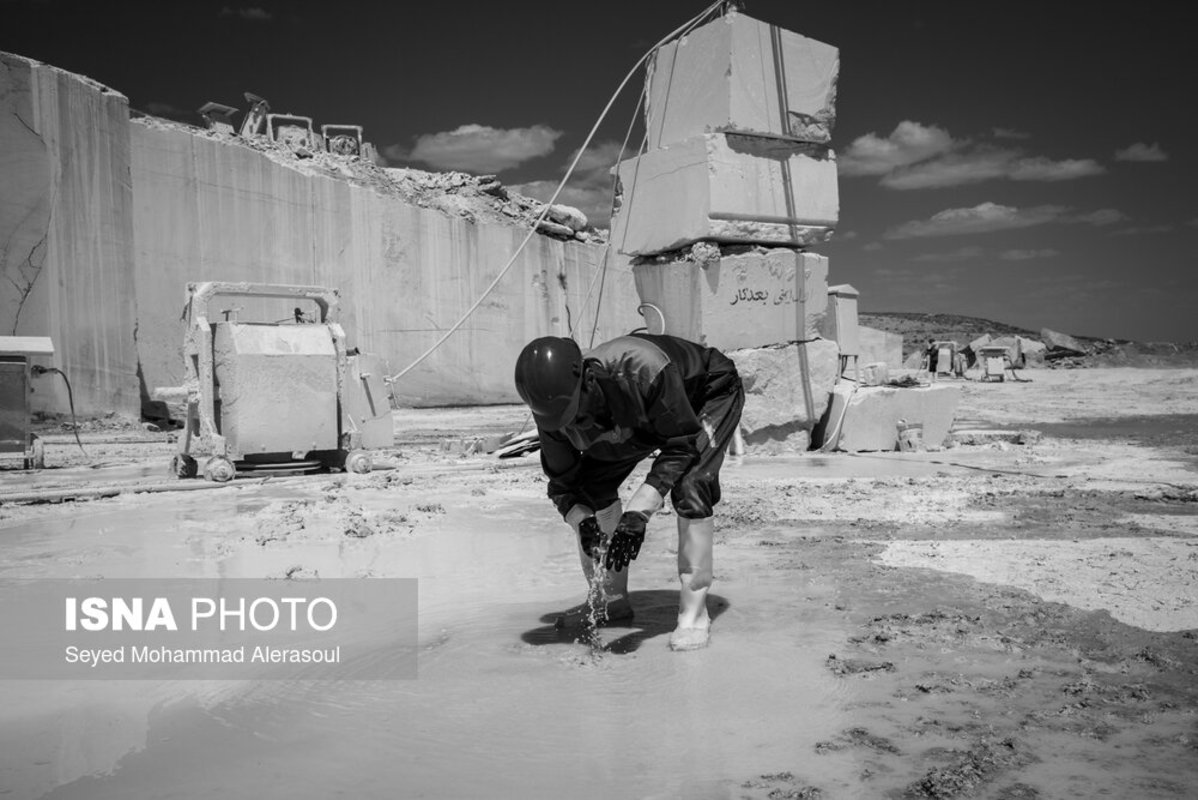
(994, 360)
(16, 373)
(276, 396)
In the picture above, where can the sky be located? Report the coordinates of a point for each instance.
(1032, 163)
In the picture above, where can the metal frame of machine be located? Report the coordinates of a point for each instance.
(16, 433)
(994, 361)
(204, 428)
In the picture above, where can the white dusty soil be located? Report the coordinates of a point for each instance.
(1143, 580)
(1146, 582)
(993, 619)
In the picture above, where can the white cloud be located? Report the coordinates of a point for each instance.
(960, 254)
(952, 169)
(983, 164)
(1028, 255)
(1101, 217)
(1044, 169)
(916, 156)
(1142, 152)
(982, 218)
(599, 158)
(594, 201)
(909, 143)
(590, 187)
(988, 217)
(478, 148)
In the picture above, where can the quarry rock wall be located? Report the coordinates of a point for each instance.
(105, 220)
(66, 239)
(213, 209)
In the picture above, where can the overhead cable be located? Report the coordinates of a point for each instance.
(682, 29)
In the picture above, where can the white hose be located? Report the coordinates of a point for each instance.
(545, 210)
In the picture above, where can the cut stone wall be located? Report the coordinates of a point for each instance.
(104, 221)
(66, 235)
(405, 273)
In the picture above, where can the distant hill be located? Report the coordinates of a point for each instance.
(916, 328)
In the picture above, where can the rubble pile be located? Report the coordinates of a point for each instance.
(458, 194)
(1122, 353)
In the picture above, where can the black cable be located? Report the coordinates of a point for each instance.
(37, 369)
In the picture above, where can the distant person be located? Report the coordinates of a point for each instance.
(960, 364)
(600, 414)
(930, 355)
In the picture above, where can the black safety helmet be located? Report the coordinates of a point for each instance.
(549, 380)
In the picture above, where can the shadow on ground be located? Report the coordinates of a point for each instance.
(655, 613)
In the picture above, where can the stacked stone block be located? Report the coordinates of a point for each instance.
(739, 179)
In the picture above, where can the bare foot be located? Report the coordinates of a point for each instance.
(617, 611)
(690, 638)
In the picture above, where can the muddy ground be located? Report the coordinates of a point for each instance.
(1013, 616)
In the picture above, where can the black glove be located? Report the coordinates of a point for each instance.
(590, 536)
(625, 543)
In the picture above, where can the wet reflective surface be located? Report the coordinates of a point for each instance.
(505, 704)
(828, 668)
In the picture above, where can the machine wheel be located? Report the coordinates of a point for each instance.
(219, 469)
(37, 454)
(184, 466)
(358, 461)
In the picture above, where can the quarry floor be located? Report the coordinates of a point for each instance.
(1014, 617)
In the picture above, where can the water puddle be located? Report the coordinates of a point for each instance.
(505, 703)
(1157, 430)
(836, 466)
(14, 480)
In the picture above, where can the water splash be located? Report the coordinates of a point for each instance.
(596, 604)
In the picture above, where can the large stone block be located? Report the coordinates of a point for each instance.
(840, 323)
(872, 415)
(726, 188)
(880, 346)
(737, 301)
(1061, 342)
(739, 73)
(786, 392)
(278, 387)
(66, 234)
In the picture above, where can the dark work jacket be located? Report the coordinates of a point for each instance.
(655, 388)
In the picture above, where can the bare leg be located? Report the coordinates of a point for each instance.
(694, 580)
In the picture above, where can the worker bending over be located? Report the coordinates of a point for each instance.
(600, 414)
